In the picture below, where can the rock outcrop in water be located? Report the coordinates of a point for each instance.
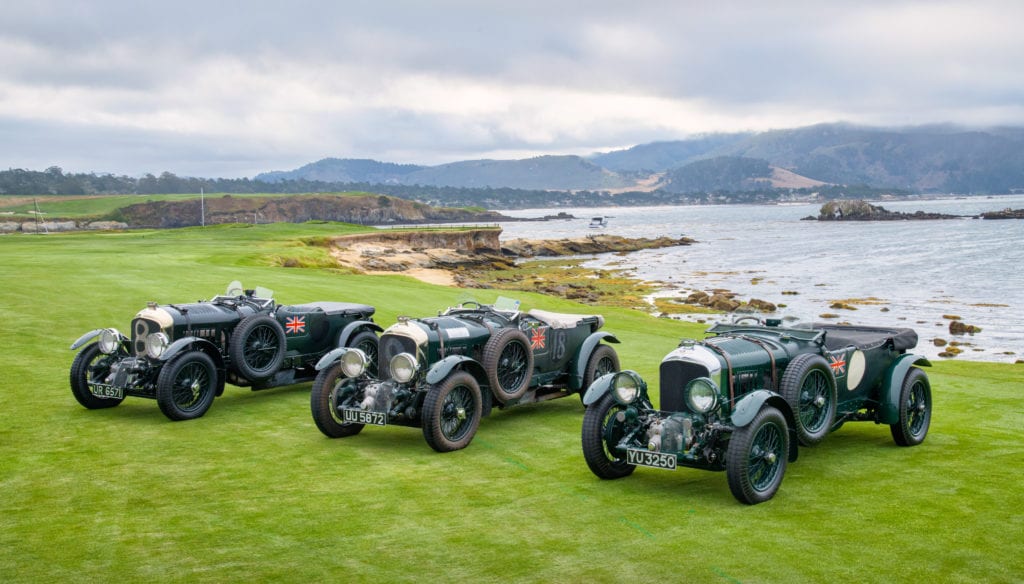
(1004, 214)
(858, 210)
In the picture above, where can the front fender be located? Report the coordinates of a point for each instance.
(583, 355)
(753, 402)
(352, 328)
(889, 407)
(82, 340)
(442, 368)
(188, 343)
(596, 391)
(332, 356)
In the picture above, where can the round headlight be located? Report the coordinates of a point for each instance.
(353, 363)
(702, 395)
(626, 387)
(156, 344)
(403, 367)
(109, 341)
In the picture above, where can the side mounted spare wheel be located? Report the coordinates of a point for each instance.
(809, 387)
(257, 347)
(508, 362)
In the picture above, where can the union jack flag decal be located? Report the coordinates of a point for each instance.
(537, 338)
(295, 325)
(838, 365)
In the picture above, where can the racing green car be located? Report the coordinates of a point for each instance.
(742, 400)
(444, 373)
(182, 354)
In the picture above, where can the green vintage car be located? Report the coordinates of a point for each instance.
(444, 373)
(743, 399)
(181, 355)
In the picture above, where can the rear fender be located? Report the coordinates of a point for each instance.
(753, 402)
(583, 355)
(889, 400)
(355, 327)
(445, 366)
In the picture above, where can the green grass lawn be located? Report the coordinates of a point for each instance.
(253, 492)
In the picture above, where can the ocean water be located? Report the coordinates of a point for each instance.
(917, 273)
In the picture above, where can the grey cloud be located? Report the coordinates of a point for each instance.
(737, 65)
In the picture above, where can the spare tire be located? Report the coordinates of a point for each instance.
(508, 362)
(809, 387)
(257, 347)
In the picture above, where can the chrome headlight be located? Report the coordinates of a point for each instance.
(702, 395)
(109, 341)
(353, 363)
(403, 367)
(626, 387)
(156, 344)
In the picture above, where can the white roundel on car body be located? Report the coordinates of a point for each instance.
(855, 368)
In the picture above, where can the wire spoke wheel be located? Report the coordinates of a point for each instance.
(451, 412)
(186, 386)
(915, 412)
(508, 362)
(757, 456)
(809, 387)
(601, 434)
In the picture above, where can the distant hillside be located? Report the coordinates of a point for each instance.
(935, 159)
(921, 159)
(348, 170)
(542, 172)
(661, 156)
(838, 158)
(723, 173)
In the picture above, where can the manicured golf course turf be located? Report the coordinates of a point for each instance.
(254, 492)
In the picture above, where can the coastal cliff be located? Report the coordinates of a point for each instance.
(362, 209)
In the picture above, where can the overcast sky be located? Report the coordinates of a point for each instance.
(232, 89)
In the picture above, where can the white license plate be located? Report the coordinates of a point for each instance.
(354, 416)
(663, 460)
(107, 391)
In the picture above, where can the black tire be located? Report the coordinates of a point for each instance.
(809, 387)
(451, 412)
(603, 360)
(600, 428)
(323, 403)
(257, 347)
(367, 342)
(757, 456)
(915, 409)
(186, 386)
(508, 362)
(89, 365)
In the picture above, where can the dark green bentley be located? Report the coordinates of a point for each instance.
(444, 373)
(182, 354)
(744, 398)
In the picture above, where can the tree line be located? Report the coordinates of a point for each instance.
(54, 181)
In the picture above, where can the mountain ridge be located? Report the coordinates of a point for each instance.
(935, 158)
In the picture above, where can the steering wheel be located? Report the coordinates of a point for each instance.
(474, 303)
(747, 320)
